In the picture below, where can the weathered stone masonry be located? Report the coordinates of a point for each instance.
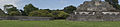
(26, 18)
(95, 10)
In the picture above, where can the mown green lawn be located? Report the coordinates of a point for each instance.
(58, 23)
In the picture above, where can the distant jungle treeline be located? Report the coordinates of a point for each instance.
(30, 10)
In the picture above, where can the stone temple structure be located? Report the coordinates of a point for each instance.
(95, 10)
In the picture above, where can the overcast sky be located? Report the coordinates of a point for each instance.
(42, 4)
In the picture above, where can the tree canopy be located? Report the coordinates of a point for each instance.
(29, 8)
(10, 8)
(114, 3)
(2, 13)
(59, 14)
(40, 13)
(14, 13)
(69, 9)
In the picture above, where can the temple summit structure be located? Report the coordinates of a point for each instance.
(95, 10)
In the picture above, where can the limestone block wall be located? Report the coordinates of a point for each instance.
(26, 18)
(94, 18)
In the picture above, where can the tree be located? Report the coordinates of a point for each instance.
(2, 13)
(114, 3)
(40, 13)
(14, 13)
(47, 10)
(23, 13)
(69, 9)
(59, 14)
(11, 10)
(29, 8)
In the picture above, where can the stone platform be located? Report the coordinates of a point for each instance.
(95, 10)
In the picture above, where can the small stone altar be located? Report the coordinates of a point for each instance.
(95, 10)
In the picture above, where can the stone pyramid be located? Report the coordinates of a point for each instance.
(95, 10)
(95, 5)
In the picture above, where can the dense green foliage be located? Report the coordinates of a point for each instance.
(29, 8)
(69, 9)
(10, 8)
(47, 13)
(41, 13)
(23, 13)
(14, 13)
(58, 23)
(2, 13)
(114, 3)
(59, 14)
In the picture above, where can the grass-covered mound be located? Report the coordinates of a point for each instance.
(57, 23)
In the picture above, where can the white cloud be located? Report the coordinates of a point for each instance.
(4, 2)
